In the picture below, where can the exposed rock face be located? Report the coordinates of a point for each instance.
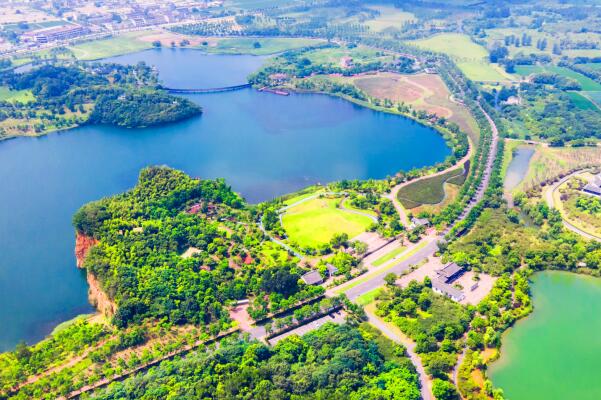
(83, 244)
(98, 298)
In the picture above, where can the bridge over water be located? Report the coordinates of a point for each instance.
(210, 90)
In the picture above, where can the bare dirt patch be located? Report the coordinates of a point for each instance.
(423, 92)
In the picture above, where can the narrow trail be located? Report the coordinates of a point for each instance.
(389, 332)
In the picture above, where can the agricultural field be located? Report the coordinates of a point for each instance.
(314, 222)
(390, 18)
(470, 57)
(428, 190)
(425, 92)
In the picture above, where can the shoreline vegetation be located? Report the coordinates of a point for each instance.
(183, 258)
(66, 95)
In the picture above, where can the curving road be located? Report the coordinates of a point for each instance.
(551, 203)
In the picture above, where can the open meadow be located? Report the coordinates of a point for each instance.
(470, 57)
(314, 222)
(425, 92)
(390, 18)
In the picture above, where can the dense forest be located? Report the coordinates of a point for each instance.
(68, 95)
(330, 363)
(144, 233)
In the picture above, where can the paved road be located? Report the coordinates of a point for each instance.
(551, 203)
(425, 390)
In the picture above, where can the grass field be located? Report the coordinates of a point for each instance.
(21, 96)
(369, 297)
(425, 92)
(314, 222)
(595, 97)
(123, 44)
(388, 256)
(587, 83)
(426, 191)
(593, 66)
(581, 101)
(267, 45)
(390, 17)
(470, 57)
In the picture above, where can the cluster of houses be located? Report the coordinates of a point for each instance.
(115, 15)
(594, 186)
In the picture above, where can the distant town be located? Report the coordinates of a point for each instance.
(34, 25)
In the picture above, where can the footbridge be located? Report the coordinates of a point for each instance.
(210, 90)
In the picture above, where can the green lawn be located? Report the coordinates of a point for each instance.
(368, 297)
(581, 101)
(390, 17)
(123, 44)
(587, 83)
(267, 45)
(389, 256)
(426, 191)
(470, 57)
(22, 96)
(314, 222)
(594, 96)
(593, 66)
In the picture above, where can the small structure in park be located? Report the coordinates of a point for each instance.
(594, 187)
(312, 278)
(418, 222)
(447, 290)
(449, 273)
(332, 270)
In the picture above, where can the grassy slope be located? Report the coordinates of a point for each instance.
(23, 96)
(126, 43)
(314, 222)
(470, 57)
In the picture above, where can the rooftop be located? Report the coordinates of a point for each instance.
(312, 277)
(448, 290)
(449, 270)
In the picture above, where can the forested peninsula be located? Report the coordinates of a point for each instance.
(65, 95)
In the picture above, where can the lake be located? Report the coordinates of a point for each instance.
(263, 144)
(554, 353)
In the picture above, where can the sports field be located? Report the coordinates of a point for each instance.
(470, 57)
(314, 222)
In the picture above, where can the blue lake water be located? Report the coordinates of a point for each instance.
(263, 144)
